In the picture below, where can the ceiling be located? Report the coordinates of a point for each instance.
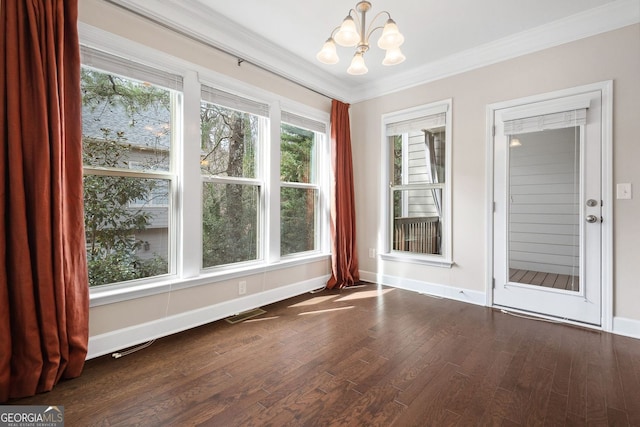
(441, 37)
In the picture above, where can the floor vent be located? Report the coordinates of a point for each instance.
(241, 317)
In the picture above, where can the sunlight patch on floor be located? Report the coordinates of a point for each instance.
(364, 294)
(313, 301)
(326, 311)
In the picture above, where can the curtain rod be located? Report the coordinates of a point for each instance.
(240, 60)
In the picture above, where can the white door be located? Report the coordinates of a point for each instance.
(548, 207)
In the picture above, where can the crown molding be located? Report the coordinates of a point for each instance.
(198, 22)
(119, 46)
(609, 17)
(204, 25)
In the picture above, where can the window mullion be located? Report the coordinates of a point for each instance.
(129, 173)
(190, 186)
(232, 180)
(272, 190)
(299, 185)
(425, 186)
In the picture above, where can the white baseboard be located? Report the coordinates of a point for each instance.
(626, 327)
(444, 291)
(110, 342)
(621, 325)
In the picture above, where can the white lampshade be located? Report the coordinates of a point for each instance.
(347, 35)
(515, 142)
(391, 37)
(393, 57)
(328, 54)
(357, 66)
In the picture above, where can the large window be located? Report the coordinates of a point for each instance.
(299, 185)
(418, 159)
(127, 135)
(232, 188)
(165, 204)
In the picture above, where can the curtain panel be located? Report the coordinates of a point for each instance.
(44, 294)
(344, 254)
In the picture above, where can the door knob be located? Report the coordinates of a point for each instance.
(591, 218)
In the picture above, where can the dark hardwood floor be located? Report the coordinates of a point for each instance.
(362, 357)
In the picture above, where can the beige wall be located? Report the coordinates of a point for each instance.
(105, 319)
(610, 56)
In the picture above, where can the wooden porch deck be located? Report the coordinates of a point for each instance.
(549, 280)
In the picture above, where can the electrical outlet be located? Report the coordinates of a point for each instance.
(242, 287)
(623, 191)
(372, 252)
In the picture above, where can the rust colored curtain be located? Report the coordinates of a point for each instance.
(344, 254)
(44, 292)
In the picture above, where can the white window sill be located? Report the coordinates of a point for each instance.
(110, 294)
(430, 261)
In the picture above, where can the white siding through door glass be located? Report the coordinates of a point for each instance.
(544, 230)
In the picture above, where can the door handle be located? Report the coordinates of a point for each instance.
(591, 219)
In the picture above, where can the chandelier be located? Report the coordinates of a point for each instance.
(354, 32)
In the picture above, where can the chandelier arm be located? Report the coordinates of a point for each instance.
(371, 30)
(381, 13)
(355, 16)
(333, 32)
(359, 22)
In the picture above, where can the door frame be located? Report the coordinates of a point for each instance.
(606, 89)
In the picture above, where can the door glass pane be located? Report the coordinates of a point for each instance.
(544, 208)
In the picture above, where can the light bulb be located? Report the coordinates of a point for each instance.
(347, 35)
(393, 57)
(391, 37)
(328, 54)
(357, 66)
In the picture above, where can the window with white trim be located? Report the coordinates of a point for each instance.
(152, 197)
(418, 198)
(300, 139)
(233, 130)
(129, 111)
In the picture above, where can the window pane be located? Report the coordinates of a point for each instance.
(418, 157)
(298, 207)
(229, 140)
(125, 123)
(417, 220)
(229, 223)
(397, 159)
(297, 154)
(417, 160)
(126, 229)
(435, 144)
